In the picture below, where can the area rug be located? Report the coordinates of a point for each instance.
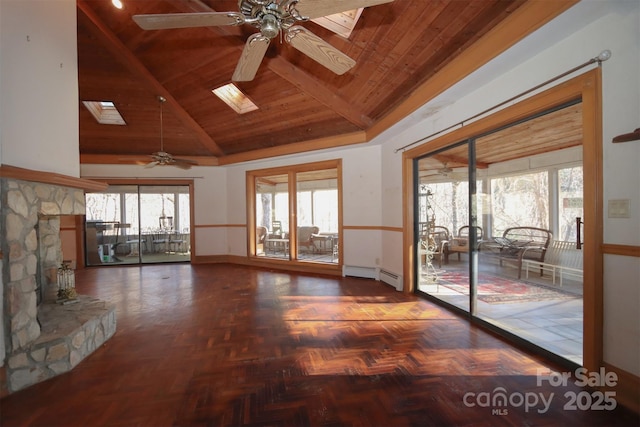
(499, 290)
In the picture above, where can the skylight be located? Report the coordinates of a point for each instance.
(340, 23)
(235, 99)
(105, 112)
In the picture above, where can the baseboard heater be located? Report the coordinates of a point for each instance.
(383, 275)
(390, 278)
(364, 272)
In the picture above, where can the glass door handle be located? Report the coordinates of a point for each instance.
(578, 229)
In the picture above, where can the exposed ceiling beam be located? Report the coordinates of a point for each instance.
(294, 75)
(457, 161)
(129, 60)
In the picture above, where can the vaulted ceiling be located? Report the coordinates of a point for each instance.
(406, 52)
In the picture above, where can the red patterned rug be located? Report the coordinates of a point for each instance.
(499, 290)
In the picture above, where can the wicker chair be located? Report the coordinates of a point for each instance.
(460, 244)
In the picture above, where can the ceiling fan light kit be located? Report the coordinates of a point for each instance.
(271, 18)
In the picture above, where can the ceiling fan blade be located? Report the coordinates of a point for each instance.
(188, 20)
(319, 50)
(316, 9)
(252, 54)
(182, 164)
(151, 164)
(186, 162)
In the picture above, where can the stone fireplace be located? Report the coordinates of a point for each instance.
(42, 338)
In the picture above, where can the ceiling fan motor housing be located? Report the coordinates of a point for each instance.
(270, 26)
(267, 15)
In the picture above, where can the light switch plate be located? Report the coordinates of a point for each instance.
(618, 208)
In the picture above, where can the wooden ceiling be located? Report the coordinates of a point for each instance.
(557, 129)
(398, 47)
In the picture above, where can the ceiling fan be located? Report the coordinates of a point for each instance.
(445, 170)
(270, 17)
(162, 158)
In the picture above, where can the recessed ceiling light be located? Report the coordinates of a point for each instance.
(235, 99)
(117, 3)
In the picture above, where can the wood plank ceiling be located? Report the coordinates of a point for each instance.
(398, 47)
(554, 130)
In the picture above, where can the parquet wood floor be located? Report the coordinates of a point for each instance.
(223, 345)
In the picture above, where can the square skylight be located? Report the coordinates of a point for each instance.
(105, 112)
(340, 23)
(234, 98)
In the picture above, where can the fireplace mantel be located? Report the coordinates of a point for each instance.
(8, 171)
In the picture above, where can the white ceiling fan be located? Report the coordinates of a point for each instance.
(444, 172)
(270, 17)
(162, 158)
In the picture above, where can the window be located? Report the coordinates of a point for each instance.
(519, 199)
(570, 205)
(295, 213)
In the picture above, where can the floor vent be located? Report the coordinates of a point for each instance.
(355, 271)
(391, 279)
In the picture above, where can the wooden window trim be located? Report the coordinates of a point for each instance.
(291, 171)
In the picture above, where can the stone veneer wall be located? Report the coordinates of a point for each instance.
(32, 253)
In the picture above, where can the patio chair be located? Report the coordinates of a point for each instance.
(261, 235)
(276, 229)
(305, 237)
(434, 242)
(160, 242)
(460, 244)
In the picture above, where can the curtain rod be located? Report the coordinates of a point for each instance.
(603, 56)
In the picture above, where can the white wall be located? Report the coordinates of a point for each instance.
(39, 85)
(38, 90)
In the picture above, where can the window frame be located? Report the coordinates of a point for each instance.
(291, 171)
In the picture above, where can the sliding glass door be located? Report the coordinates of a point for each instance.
(443, 226)
(133, 224)
(498, 229)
